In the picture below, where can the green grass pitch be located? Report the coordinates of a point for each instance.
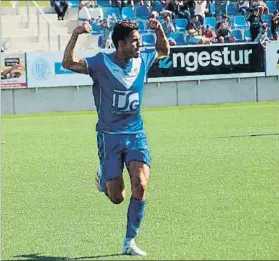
(213, 191)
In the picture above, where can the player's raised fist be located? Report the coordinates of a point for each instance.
(83, 28)
(154, 24)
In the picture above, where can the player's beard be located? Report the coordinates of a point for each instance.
(136, 53)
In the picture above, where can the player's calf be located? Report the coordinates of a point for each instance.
(139, 173)
(116, 190)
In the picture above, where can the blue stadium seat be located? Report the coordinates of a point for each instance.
(237, 34)
(148, 40)
(179, 38)
(212, 9)
(231, 9)
(142, 12)
(157, 7)
(95, 29)
(211, 21)
(247, 35)
(267, 19)
(73, 3)
(142, 26)
(114, 10)
(239, 22)
(230, 21)
(272, 6)
(103, 3)
(181, 24)
(128, 13)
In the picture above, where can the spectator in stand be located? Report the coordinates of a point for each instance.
(221, 7)
(122, 3)
(255, 21)
(186, 9)
(261, 5)
(243, 6)
(171, 7)
(61, 7)
(262, 37)
(200, 10)
(195, 33)
(106, 27)
(84, 9)
(223, 31)
(275, 25)
(156, 5)
(169, 29)
(208, 34)
(154, 15)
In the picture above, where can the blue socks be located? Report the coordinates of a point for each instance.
(134, 217)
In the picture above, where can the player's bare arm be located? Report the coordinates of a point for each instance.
(162, 43)
(70, 62)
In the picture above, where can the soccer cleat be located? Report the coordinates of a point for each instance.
(130, 248)
(98, 180)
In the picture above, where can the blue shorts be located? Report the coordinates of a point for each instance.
(116, 149)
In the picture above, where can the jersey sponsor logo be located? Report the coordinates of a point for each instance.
(125, 102)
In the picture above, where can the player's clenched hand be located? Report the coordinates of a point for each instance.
(154, 24)
(83, 28)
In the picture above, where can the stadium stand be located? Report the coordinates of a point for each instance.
(128, 13)
(179, 38)
(237, 34)
(247, 35)
(114, 11)
(272, 6)
(181, 24)
(142, 26)
(239, 22)
(148, 39)
(27, 36)
(142, 12)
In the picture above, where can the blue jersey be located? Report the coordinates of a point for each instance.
(118, 90)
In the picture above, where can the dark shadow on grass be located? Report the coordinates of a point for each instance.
(250, 135)
(38, 257)
(84, 258)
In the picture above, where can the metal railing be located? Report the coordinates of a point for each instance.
(40, 13)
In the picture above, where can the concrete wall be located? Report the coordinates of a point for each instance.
(20, 101)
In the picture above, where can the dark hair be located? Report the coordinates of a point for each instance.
(122, 30)
(224, 16)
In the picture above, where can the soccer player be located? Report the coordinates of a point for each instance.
(118, 89)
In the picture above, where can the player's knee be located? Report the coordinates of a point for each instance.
(117, 200)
